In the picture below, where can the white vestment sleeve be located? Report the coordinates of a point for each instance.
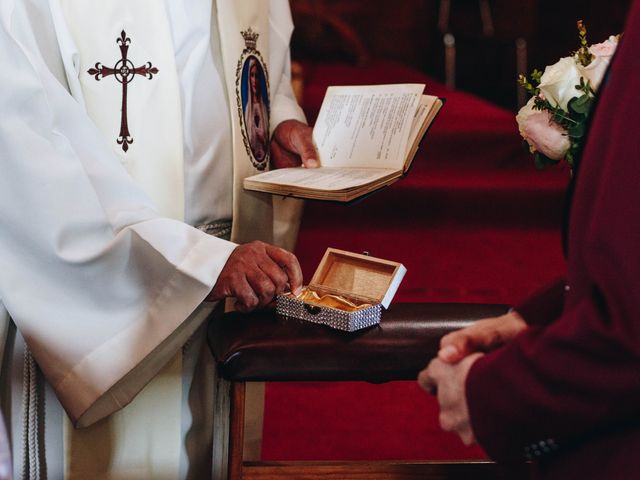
(93, 277)
(287, 212)
(283, 102)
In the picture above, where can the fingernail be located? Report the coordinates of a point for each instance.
(297, 291)
(311, 163)
(447, 353)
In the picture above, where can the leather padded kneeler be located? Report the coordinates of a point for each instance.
(262, 346)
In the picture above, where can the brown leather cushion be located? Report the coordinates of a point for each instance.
(263, 346)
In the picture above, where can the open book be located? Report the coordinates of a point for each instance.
(366, 136)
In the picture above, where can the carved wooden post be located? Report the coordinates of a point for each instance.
(221, 428)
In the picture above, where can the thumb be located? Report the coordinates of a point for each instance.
(457, 345)
(450, 354)
(302, 142)
(297, 137)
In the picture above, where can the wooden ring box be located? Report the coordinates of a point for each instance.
(364, 284)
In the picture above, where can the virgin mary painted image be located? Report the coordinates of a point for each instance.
(255, 102)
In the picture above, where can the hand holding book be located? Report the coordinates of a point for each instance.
(366, 137)
(291, 144)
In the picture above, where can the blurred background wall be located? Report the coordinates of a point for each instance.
(488, 35)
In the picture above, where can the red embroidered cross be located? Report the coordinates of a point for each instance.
(124, 72)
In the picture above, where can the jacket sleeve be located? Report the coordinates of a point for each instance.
(558, 382)
(545, 305)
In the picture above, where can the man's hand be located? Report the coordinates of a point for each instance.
(448, 383)
(255, 273)
(483, 336)
(292, 146)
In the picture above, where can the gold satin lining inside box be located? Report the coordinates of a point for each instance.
(347, 291)
(339, 302)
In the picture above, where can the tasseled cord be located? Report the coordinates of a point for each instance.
(30, 432)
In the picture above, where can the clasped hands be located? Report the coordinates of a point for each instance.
(256, 272)
(446, 375)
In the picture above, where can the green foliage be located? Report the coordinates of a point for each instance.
(530, 87)
(536, 75)
(580, 105)
(542, 161)
(583, 54)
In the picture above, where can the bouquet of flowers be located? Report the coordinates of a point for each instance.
(553, 122)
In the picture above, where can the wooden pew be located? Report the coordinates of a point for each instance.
(266, 347)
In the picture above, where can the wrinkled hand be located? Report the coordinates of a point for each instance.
(254, 273)
(448, 383)
(292, 146)
(483, 336)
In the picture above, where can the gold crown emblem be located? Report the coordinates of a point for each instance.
(250, 38)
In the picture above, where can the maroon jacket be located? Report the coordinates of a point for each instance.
(566, 392)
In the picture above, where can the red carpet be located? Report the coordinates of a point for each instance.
(472, 222)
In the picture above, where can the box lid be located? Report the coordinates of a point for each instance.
(365, 278)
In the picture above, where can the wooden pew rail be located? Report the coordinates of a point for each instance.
(265, 347)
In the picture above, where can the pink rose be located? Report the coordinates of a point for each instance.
(606, 48)
(541, 133)
(603, 52)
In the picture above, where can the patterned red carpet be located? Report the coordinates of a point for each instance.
(472, 222)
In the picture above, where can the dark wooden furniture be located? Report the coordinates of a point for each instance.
(265, 347)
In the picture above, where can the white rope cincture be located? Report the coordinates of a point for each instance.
(30, 430)
(219, 228)
(25, 414)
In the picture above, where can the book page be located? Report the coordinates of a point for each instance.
(425, 108)
(366, 126)
(322, 178)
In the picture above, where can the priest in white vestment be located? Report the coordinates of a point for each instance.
(120, 133)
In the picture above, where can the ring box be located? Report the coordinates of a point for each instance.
(347, 291)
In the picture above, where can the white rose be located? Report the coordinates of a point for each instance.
(541, 133)
(558, 82)
(603, 53)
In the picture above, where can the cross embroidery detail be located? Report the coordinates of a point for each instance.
(124, 71)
